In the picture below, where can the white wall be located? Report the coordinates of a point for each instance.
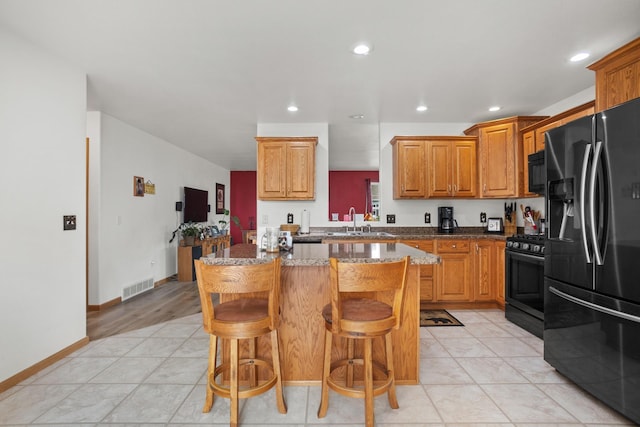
(42, 178)
(93, 133)
(134, 232)
(579, 98)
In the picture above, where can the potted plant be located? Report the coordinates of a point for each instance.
(236, 221)
(190, 231)
(224, 222)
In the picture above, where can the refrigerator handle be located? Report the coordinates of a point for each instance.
(583, 186)
(588, 304)
(592, 203)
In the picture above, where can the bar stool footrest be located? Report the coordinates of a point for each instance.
(224, 391)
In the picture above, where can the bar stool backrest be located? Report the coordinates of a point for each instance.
(366, 279)
(255, 278)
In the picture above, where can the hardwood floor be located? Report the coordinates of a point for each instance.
(170, 301)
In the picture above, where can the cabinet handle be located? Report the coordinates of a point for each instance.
(453, 246)
(455, 189)
(484, 190)
(477, 248)
(449, 188)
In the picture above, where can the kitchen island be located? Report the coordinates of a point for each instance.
(305, 290)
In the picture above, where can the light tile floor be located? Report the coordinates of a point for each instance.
(487, 373)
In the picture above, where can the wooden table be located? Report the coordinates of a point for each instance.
(306, 290)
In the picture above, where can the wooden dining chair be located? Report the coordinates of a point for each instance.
(359, 312)
(249, 236)
(249, 309)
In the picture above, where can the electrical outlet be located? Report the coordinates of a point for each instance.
(427, 218)
(483, 217)
(265, 219)
(391, 219)
(69, 222)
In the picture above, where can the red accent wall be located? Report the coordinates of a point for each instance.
(348, 188)
(243, 197)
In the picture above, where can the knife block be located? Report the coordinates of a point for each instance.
(510, 228)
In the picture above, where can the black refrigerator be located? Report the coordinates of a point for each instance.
(592, 255)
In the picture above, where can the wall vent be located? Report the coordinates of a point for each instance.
(137, 288)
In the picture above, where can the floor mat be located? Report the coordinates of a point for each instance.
(438, 318)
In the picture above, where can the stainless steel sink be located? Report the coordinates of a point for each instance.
(358, 234)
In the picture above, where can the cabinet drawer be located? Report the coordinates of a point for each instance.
(453, 246)
(424, 245)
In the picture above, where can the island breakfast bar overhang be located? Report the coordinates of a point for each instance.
(305, 290)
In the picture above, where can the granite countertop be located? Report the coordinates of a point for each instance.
(401, 233)
(317, 254)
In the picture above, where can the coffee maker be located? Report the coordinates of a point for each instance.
(446, 223)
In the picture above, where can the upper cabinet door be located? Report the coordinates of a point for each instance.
(271, 170)
(409, 159)
(301, 171)
(286, 168)
(500, 158)
(497, 161)
(464, 171)
(440, 169)
(451, 167)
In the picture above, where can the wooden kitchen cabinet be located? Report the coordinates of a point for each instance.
(434, 167)
(618, 76)
(286, 168)
(454, 274)
(470, 271)
(426, 271)
(409, 168)
(485, 270)
(201, 248)
(500, 246)
(451, 167)
(498, 155)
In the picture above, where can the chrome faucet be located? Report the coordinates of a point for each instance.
(352, 213)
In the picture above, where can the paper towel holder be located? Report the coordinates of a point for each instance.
(304, 222)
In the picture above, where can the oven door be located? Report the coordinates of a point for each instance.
(525, 282)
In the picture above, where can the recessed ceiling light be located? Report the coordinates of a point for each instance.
(494, 108)
(356, 116)
(579, 57)
(421, 108)
(292, 108)
(362, 49)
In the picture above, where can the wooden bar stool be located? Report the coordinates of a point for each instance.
(251, 310)
(356, 312)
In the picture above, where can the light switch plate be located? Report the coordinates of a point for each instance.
(69, 222)
(391, 219)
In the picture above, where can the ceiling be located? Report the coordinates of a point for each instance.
(201, 74)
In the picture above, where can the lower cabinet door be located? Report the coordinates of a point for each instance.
(453, 277)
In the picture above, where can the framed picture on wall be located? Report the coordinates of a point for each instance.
(138, 186)
(219, 198)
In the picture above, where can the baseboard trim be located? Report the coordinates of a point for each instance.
(461, 305)
(107, 304)
(31, 370)
(118, 300)
(163, 281)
